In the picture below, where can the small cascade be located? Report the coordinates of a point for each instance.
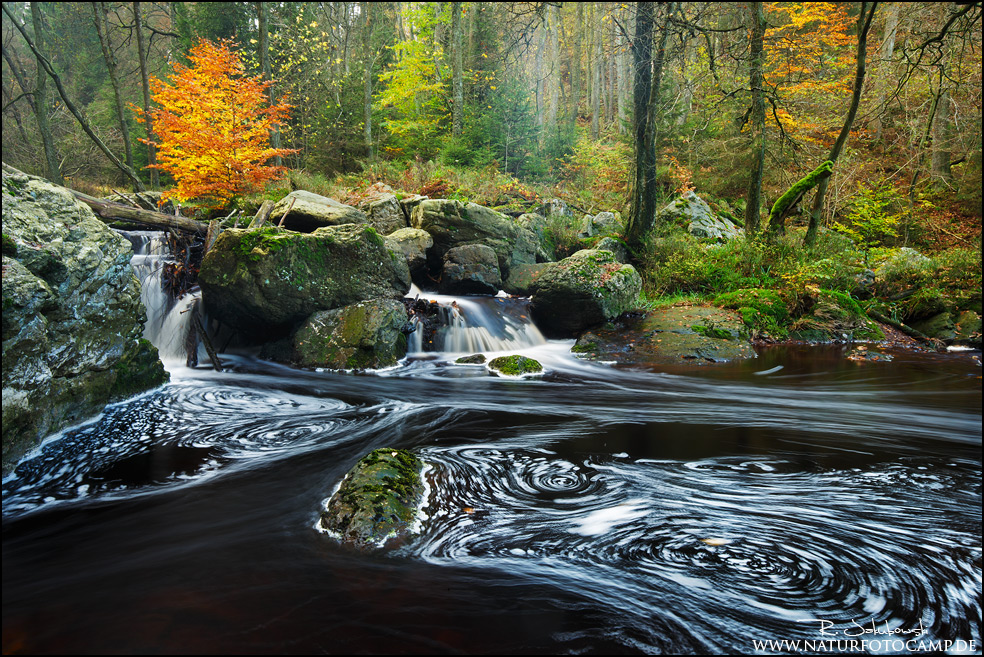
(169, 324)
(468, 325)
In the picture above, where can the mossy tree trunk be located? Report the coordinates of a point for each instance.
(864, 26)
(786, 202)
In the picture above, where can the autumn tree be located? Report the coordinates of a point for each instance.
(213, 127)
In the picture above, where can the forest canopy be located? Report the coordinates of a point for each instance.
(744, 100)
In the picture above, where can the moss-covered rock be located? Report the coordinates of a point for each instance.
(677, 335)
(763, 311)
(693, 212)
(514, 365)
(377, 504)
(522, 279)
(939, 326)
(365, 335)
(265, 281)
(72, 315)
(586, 289)
(453, 223)
(474, 359)
(834, 316)
(968, 328)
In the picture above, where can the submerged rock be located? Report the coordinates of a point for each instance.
(514, 365)
(72, 316)
(365, 335)
(679, 335)
(470, 269)
(263, 282)
(588, 288)
(474, 359)
(377, 503)
(309, 211)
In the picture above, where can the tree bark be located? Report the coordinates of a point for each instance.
(110, 211)
(367, 78)
(52, 169)
(458, 109)
(100, 15)
(595, 67)
(575, 67)
(145, 84)
(263, 20)
(753, 199)
(864, 26)
(553, 79)
(83, 121)
(648, 76)
(885, 68)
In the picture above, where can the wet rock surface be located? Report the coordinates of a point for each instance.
(679, 335)
(365, 335)
(377, 503)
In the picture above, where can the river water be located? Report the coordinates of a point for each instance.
(591, 509)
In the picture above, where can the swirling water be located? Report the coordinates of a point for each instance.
(589, 510)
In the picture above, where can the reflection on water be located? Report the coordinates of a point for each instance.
(591, 510)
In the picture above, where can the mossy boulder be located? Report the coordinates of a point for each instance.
(263, 282)
(696, 215)
(309, 211)
(453, 223)
(514, 366)
(474, 359)
(677, 335)
(470, 269)
(832, 316)
(763, 311)
(601, 224)
(365, 335)
(72, 316)
(968, 328)
(377, 504)
(618, 248)
(939, 326)
(585, 289)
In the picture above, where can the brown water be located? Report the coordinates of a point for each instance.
(592, 510)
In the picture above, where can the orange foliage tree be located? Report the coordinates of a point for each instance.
(213, 126)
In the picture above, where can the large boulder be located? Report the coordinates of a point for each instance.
(603, 223)
(377, 504)
(386, 215)
(265, 281)
(470, 269)
(412, 244)
(582, 290)
(693, 212)
(522, 279)
(72, 316)
(453, 223)
(365, 335)
(309, 211)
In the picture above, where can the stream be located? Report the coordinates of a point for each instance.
(797, 496)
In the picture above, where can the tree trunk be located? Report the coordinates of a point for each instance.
(100, 14)
(624, 76)
(864, 26)
(753, 198)
(596, 77)
(263, 20)
(577, 37)
(885, 68)
(648, 76)
(457, 121)
(367, 78)
(52, 169)
(145, 84)
(83, 121)
(553, 80)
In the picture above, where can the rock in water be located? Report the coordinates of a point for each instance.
(72, 316)
(266, 281)
(365, 335)
(377, 503)
(514, 365)
(585, 289)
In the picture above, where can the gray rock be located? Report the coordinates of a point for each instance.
(471, 269)
(311, 211)
(522, 279)
(616, 246)
(603, 223)
(387, 215)
(408, 203)
(72, 316)
(365, 335)
(692, 211)
(412, 244)
(554, 207)
(585, 289)
(264, 281)
(452, 223)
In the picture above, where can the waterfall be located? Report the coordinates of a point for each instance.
(168, 320)
(471, 325)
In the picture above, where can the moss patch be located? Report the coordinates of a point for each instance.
(762, 310)
(476, 359)
(515, 365)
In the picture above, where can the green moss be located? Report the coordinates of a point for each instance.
(762, 310)
(799, 188)
(712, 332)
(374, 236)
(476, 359)
(515, 365)
(586, 348)
(9, 246)
(139, 369)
